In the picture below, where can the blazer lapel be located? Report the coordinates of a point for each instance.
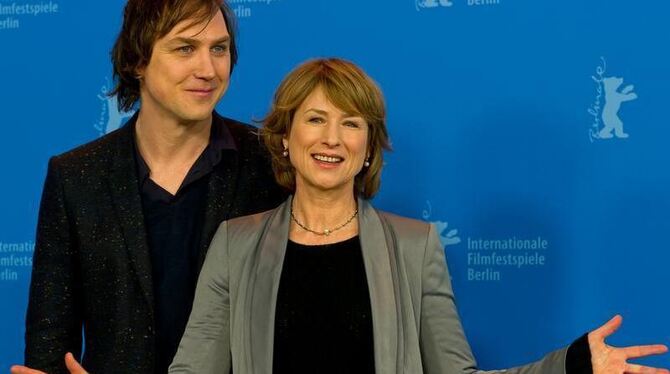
(124, 188)
(264, 289)
(380, 269)
(220, 198)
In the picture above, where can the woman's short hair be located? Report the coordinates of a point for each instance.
(146, 21)
(348, 88)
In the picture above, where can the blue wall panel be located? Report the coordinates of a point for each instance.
(493, 107)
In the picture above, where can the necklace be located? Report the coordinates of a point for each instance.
(325, 232)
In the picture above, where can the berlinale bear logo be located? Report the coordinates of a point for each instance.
(432, 3)
(446, 237)
(613, 100)
(612, 125)
(111, 118)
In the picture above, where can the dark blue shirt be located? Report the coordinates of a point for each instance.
(174, 226)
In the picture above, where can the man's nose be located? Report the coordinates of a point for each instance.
(205, 66)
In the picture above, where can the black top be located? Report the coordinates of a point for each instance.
(578, 358)
(323, 320)
(174, 235)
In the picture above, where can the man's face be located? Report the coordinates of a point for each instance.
(188, 72)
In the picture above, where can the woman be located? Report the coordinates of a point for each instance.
(326, 283)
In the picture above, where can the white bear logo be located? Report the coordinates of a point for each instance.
(613, 100)
(446, 238)
(111, 118)
(432, 3)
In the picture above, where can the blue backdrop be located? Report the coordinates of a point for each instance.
(532, 133)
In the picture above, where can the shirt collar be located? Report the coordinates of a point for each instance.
(220, 140)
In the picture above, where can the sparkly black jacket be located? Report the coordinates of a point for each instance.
(91, 267)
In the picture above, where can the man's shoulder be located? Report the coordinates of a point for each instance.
(247, 137)
(90, 155)
(238, 127)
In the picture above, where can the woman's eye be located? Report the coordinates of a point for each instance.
(352, 124)
(315, 120)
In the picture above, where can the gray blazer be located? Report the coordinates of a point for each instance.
(416, 327)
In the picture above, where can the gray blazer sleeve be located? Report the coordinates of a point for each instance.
(444, 348)
(205, 346)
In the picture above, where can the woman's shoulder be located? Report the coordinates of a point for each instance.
(410, 237)
(248, 225)
(405, 228)
(238, 237)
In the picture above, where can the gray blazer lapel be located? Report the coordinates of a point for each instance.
(265, 285)
(378, 268)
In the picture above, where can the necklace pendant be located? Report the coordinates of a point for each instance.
(325, 232)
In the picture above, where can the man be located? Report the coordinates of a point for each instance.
(125, 221)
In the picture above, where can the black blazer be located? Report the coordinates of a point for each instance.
(91, 266)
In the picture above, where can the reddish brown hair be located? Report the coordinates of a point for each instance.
(348, 88)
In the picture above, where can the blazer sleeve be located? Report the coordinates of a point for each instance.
(205, 345)
(444, 348)
(54, 318)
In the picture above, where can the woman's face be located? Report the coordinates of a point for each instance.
(327, 147)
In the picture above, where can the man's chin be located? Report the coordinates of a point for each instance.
(197, 116)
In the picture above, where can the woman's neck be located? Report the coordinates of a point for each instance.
(334, 212)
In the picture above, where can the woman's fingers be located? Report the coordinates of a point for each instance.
(640, 369)
(644, 350)
(608, 328)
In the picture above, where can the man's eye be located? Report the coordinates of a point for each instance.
(185, 49)
(220, 49)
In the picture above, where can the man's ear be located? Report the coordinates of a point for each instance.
(139, 71)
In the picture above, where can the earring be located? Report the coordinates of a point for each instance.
(367, 163)
(285, 153)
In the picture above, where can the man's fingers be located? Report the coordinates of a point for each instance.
(640, 369)
(644, 350)
(72, 365)
(608, 328)
(18, 369)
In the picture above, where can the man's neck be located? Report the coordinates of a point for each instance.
(170, 148)
(166, 141)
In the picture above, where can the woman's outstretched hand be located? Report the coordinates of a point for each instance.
(606, 359)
